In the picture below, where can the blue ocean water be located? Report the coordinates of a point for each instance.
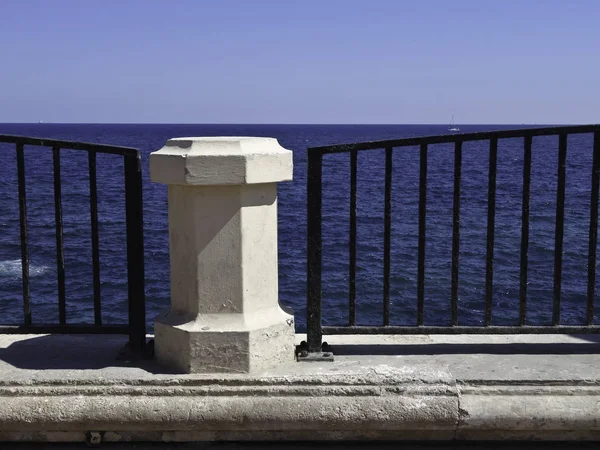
(292, 224)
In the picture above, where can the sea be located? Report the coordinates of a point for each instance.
(292, 224)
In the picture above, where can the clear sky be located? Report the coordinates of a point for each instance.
(308, 61)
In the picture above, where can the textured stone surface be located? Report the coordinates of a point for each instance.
(216, 161)
(412, 389)
(225, 314)
(345, 401)
(225, 342)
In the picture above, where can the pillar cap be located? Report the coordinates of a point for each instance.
(213, 161)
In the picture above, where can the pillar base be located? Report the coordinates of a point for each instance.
(225, 343)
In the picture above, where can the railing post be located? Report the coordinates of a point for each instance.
(314, 332)
(135, 253)
(225, 314)
(24, 242)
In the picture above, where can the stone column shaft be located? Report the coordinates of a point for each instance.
(224, 314)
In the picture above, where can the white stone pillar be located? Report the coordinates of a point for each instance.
(225, 314)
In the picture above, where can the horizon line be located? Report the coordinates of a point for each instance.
(294, 124)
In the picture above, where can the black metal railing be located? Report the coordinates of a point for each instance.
(136, 326)
(315, 328)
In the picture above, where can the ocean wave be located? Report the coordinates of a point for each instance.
(12, 269)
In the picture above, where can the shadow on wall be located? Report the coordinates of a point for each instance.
(314, 445)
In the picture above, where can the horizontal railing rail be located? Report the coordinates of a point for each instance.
(135, 327)
(315, 328)
(452, 138)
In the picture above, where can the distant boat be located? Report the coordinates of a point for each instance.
(453, 127)
(41, 121)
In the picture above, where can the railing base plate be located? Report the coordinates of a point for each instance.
(305, 356)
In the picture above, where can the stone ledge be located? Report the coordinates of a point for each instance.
(387, 400)
(534, 411)
(414, 388)
(382, 403)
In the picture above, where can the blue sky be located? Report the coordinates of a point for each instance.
(309, 61)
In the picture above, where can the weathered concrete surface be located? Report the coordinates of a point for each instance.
(221, 160)
(447, 387)
(225, 314)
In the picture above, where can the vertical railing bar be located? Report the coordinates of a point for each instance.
(421, 248)
(95, 238)
(387, 236)
(314, 251)
(525, 230)
(60, 254)
(135, 252)
(593, 240)
(456, 230)
(560, 223)
(23, 229)
(489, 265)
(352, 243)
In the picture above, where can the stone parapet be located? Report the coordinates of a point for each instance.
(378, 388)
(378, 403)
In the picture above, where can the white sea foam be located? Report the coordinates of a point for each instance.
(12, 269)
